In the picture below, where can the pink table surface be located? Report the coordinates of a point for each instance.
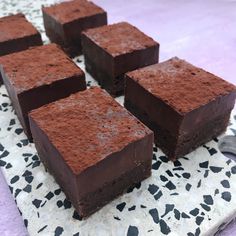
(202, 32)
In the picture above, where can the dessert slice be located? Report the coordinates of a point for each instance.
(93, 146)
(38, 76)
(184, 105)
(65, 21)
(111, 51)
(17, 34)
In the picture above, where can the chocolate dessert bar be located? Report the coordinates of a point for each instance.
(38, 76)
(184, 105)
(111, 51)
(17, 34)
(65, 21)
(93, 146)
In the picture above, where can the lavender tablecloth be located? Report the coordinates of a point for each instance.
(202, 32)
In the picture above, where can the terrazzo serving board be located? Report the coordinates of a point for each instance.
(196, 195)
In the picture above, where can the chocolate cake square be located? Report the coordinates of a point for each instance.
(93, 146)
(184, 105)
(65, 21)
(38, 76)
(17, 34)
(111, 51)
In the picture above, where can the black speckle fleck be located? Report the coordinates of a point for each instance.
(194, 212)
(212, 151)
(164, 159)
(155, 215)
(233, 170)
(205, 207)
(228, 161)
(169, 173)
(216, 191)
(154, 157)
(225, 183)
(49, 195)
(77, 234)
(116, 217)
(59, 203)
(216, 169)
(18, 131)
(26, 154)
(177, 163)
(177, 175)
(226, 196)
(29, 179)
(169, 207)
(58, 231)
(158, 195)
(4, 154)
(8, 166)
(35, 164)
(197, 232)
(208, 199)
(132, 231)
(17, 192)
(12, 122)
(43, 203)
(27, 188)
(204, 164)
(67, 204)
(121, 206)
(178, 168)
(165, 229)
(14, 179)
(57, 191)
(186, 175)
(44, 227)
(170, 185)
(26, 223)
(228, 174)
(177, 214)
(27, 173)
(185, 216)
(39, 185)
(142, 206)
(132, 208)
(1, 147)
(199, 183)
(35, 158)
(11, 189)
(188, 186)
(156, 165)
(2, 163)
(36, 203)
(25, 142)
(163, 178)
(199, 220)
(153, 188)
(206, 173)
(76, 216)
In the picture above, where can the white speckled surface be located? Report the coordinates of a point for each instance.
(178, 187)
(140, 212)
